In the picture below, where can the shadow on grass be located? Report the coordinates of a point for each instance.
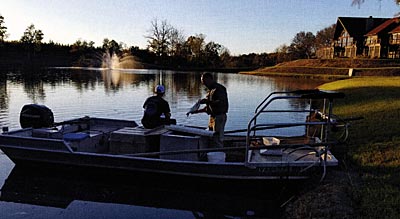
(373, 148)
(380, 109)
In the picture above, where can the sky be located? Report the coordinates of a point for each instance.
(242, 26)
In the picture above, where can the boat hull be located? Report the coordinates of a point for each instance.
(106, 162)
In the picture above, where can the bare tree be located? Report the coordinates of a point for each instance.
(177, 40)
(359, 2)
(158, 37)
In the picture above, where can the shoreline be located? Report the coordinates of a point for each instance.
(296, 75)
(366, 183)
(331, 69)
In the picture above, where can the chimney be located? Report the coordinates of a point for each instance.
(369, 24)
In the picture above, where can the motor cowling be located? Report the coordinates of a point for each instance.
(36, 116)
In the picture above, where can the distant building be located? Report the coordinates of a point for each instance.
(379, 41)
(394, 42)
(350, 37)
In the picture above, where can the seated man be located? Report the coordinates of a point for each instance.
(154, 107)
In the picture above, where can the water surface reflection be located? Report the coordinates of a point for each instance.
(74, 93)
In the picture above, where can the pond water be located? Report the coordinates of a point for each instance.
(73, 93)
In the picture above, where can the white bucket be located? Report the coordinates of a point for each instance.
(216, 157)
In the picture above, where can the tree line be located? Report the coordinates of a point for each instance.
(167, 47)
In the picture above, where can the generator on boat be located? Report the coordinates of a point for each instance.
(36, 116)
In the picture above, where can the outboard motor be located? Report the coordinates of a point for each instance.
(36, 116)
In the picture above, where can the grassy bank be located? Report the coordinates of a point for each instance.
(373, 150)
(295, 74)
(332, 68)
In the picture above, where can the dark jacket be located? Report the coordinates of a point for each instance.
(153, 108)
(217, 97)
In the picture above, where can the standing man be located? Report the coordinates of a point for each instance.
(216, 106)
(154, 107)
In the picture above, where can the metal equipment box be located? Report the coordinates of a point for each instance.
(130, 140)
(174, 142)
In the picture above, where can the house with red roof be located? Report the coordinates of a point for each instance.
(379, 41)
(349, 37)
(394, 42)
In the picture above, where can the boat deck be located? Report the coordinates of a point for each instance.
(284, 157)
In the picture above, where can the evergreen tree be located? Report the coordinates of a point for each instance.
(3, 29)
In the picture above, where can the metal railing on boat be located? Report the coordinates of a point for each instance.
(327, 97)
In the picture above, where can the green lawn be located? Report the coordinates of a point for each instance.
(373, 150)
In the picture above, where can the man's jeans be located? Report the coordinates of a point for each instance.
(217, 124)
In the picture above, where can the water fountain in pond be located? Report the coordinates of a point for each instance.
(126, 61)
(110, 61)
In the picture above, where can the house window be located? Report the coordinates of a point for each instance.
(372, 40)
(349, 41)
(396, 38)
(345, 39)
